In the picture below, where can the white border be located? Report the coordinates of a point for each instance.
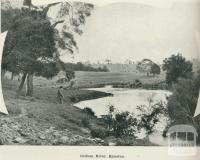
(72, 153)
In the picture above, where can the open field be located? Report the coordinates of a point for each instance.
(108, 78)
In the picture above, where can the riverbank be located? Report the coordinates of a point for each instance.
(132, 85)
(41, 120)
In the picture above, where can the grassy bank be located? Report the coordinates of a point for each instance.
(43, 112)
(41, 120)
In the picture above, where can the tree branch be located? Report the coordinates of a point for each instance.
(29, 4)
(56, 23)
(46, 9)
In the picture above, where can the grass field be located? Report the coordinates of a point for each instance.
(94, 78)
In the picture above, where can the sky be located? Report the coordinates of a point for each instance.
(135, 31)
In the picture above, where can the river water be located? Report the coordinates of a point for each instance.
(124, 99)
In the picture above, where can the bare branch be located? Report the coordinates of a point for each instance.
(56, 23)
(46, 9)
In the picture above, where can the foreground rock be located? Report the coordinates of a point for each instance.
(20, 133)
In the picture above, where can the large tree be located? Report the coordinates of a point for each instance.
(176, 67)
(155, 69)
(148, 66)
(34, 42)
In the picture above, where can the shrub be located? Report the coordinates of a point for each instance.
(125, 141)
(85, 122)
(138, 83)
(2, 140)
(124, 124)
(73, 99)
(89, 111)
(149, 115)
(121, 123)
(100, 133)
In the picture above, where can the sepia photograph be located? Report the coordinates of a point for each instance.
(75, 73)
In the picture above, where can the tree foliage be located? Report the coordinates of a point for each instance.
(121, 123)
(150, 115)
(82, 67)
(176, 67)
(155, 69)
(33, 43)
(30, 42)
(7, 17)
(148, 66)
(182, 103)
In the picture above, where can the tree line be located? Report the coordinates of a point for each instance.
(82, 67)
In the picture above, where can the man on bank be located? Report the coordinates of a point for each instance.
(60, 95)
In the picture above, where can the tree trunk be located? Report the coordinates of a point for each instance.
(30, 85)
(3, 72)
(147, 138)
(12, 76)
(21, 85)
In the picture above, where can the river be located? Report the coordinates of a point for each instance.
(124, 99)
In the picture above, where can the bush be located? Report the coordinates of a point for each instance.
(150, 115)
(2, 140)
(124, 124)
(73, 99)
(85, 122)
(100, 133)
(127, 141)
(138, 83)
(120, 123)
(89, 111)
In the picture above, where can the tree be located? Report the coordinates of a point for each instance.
(33, 43)
(182, 103)
(145, 66)
(30, 43)
(121, 123)
(150, 115)
(176, 67)
(155, 69)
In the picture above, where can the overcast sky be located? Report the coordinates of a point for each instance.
(135, 31)
(131, 31)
